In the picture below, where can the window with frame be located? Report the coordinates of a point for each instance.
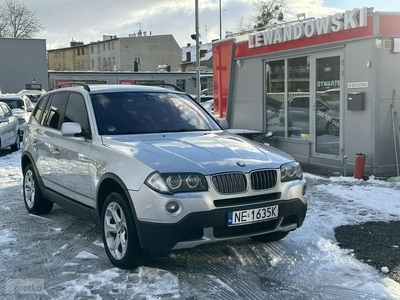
(76, 111)
(54, 110)
(91, 50)
(40, 108)
(138, 60)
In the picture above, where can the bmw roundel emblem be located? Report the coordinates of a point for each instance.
(241, 164)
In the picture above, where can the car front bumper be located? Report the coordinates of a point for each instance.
(212, 226)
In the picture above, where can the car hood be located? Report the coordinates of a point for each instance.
(206, 153)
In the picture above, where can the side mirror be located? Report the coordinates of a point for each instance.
(70, 128)
(223, 123)
(269, 134)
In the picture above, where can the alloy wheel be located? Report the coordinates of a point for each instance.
(115, 230)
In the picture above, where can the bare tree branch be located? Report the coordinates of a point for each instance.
(266, 13)
(17, 21)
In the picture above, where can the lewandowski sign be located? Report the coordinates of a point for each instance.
(338, 22)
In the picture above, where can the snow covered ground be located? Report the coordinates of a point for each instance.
(60, 256)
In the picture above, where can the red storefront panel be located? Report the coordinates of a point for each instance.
(389, 24)
(243, 50)
(222, 63)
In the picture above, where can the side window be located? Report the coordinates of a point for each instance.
(39, 109)
(76, 111)
(1, 111)
(7, 111)
(55, 109)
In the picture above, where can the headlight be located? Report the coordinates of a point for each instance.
(171, 183)
(291, 171)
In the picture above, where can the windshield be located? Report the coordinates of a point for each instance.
(13, 103)
(149, 112)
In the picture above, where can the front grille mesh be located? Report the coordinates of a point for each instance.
(234, 183)
(230, 183)
(263, 180)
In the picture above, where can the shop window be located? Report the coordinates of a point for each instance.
(275, 95)
(327, 112)
(290, 118)
(298, 102)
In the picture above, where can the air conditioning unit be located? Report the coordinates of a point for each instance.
(386, 44)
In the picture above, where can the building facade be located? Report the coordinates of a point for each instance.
(139, 52)
(23, 64)
(73, 58)
(326, 87)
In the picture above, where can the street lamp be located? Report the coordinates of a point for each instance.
(220, 21)
(197, 51)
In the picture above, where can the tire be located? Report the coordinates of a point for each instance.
(17, 145)
(270, 237)
(119, 229)
(35, 202)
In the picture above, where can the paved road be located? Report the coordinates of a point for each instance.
(66, 253)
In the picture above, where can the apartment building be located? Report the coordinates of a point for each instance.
(72, 58)
(139, 52)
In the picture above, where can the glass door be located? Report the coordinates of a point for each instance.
(326, 104)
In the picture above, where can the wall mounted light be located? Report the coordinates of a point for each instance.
(239, 63)
(368, 64)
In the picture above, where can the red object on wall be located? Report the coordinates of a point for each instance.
(222, 61)
(359, 166)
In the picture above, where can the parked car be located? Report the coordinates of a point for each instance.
(21, 108)
(209, 106)
(327, 114)
(9, 132)
(33, 95)
(156, 171)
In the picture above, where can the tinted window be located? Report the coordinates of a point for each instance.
(14, 103)
(76, 111)
(39, 109)
(55, 110)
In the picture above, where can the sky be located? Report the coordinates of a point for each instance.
(308, 264)
(87, 21)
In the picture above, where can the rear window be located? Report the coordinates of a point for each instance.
(14, 103)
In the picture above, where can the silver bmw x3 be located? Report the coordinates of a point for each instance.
(155, 171)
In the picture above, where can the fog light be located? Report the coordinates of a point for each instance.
(304, 189)
(172, 207)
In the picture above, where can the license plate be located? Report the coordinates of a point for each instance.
(242, 217)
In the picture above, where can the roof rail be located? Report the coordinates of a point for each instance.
(73, 83)
(177, 88)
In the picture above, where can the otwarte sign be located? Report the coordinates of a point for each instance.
(338, 22)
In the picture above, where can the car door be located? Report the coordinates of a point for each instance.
(8, 127)
(39, 140)
(72, 164)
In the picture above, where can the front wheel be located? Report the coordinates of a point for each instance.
(35, 202)
(270, 237)
(119, 233)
